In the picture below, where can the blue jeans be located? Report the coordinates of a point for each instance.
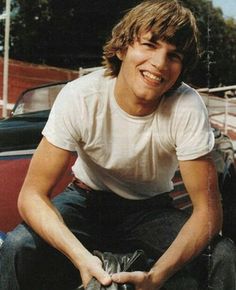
(107, 222)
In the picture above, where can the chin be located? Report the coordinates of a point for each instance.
(148, 100)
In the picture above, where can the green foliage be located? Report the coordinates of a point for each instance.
(64, 33)
(71, 34)
(218, 45)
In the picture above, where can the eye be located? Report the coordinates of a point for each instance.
(148, 44)
(175, 56)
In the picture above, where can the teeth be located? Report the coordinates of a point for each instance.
(151, 76)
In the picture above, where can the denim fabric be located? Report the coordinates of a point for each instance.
(107, 222)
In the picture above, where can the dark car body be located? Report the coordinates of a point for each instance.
(22, 130)
(21, 133)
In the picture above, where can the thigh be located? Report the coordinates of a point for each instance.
(74, 208)
(154, 230)
(34, 263)
(215, 267)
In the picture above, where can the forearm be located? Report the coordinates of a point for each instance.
(46, 168)
(200, 180)
(43, 217)
(191, 240)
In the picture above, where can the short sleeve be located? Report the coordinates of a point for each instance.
(193, 134)
(62, 128)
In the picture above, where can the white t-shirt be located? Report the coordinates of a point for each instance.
(135, 157)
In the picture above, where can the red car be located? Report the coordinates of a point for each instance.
(21, 133)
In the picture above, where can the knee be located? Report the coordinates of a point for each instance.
(17, 241)
(224, 252)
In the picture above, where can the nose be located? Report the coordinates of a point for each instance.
(159, 60)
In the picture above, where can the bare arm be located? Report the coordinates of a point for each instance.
(200, 179)
(47, 166)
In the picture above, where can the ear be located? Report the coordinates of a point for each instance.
(120, 55)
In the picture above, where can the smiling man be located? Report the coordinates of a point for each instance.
(132, 124)
(149, 69)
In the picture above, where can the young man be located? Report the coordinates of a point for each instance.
(131, 124)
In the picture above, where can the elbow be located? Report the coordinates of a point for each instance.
(216, 228)
(217, 220)
(210, 219)
(215, 214)
(23, 205)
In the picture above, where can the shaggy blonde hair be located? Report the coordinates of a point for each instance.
(167, 20)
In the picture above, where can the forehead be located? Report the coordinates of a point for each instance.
(149, 36)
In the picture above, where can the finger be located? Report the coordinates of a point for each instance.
(128, 277)
(98, 273)
(103, 277)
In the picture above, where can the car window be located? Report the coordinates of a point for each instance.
(39, 99)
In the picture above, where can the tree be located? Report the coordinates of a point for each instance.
(71, 34)
(218, 45)
(64, 33)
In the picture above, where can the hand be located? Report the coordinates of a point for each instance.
(141, 280)
(92, 267)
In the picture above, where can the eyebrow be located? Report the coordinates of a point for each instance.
(154, 40)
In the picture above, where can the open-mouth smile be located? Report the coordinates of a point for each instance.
(152, 77)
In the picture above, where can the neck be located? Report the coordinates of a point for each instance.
(134, 106)
(135, 109)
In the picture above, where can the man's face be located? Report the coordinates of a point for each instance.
(148, 69)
